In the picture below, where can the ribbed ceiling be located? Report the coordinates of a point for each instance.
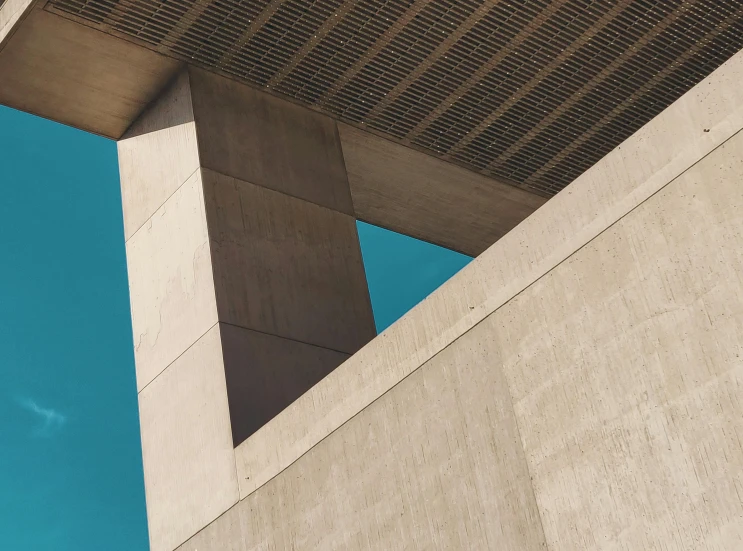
(530, 91)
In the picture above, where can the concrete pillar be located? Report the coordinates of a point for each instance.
(246, 280)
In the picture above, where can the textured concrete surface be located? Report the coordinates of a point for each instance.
(11, 12)
(412, 193)
(622, 363)
(269, 142)
(171, 289)
(282, 274)
(189, 465)
(625, 364)
(436, 463)
(70, 73)
(285, 266)
(157, 154)
(687, 131)
(266, 373)
(59, 67)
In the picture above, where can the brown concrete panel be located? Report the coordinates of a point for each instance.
(157, 154)
(266, 373)
(75, 75)
(436, 463)
(171, 288)
(625, 365)
(690, 129)
(269, 142)
(412, 193)
(189, 464)
(285, 266)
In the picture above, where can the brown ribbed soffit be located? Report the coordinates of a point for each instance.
(533, 92)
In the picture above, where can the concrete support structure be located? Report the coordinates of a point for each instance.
(246, 279)
(577, 386)
(71, 73)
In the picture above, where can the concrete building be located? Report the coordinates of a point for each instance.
(577, 387)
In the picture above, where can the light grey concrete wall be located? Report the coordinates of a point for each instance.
(436, 463)
(625, 366)
(678, 138)
(576, 387)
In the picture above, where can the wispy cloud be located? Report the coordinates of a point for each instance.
(50, 419)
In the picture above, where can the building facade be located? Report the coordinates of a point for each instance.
(577, 386)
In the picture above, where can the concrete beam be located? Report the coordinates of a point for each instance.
(67, 72)
(404, 190)
(246, 281)
(60, 69)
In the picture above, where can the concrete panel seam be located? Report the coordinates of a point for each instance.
(345, 167)
(225, 175)
(483, 318)
(176, 359)
(282, 337)
(521, 442)
(162, 205)
(166, 87)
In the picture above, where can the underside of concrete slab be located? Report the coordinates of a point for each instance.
(577, 386)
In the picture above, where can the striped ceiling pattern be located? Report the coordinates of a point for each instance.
(531, 92)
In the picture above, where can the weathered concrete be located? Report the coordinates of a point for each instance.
(189, 465)
(266, 288)
(157, 154)
(686, 132)
(617, 374)
(278, 371)
(286, 266)
(70, 73)
(11, 12)
(625, 364)
(292, 149)
(436, 463)
(171, 289)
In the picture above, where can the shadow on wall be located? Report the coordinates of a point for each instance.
(401, 271)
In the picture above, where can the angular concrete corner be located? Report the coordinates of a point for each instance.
(617, 333)
(188, 457)
(246, 279)
(171, 288)
(158, 153)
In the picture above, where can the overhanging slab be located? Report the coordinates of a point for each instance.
(59, 69)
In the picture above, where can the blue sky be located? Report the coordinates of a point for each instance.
(69, 435)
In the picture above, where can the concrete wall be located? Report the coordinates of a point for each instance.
(576, 387)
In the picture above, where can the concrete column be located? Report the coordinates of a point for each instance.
(246, 280)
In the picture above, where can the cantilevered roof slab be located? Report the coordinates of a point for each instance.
(527, 93)
(534, 91)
